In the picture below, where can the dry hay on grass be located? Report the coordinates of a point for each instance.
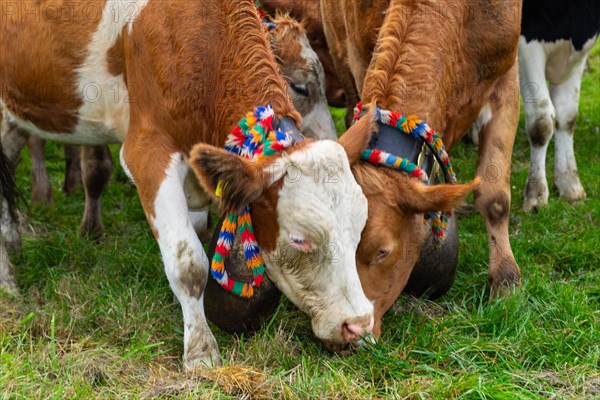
(234, 380)
(563, 387)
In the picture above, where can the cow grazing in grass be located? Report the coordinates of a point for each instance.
(186, 72)
(308, 11)
(450, 65)
(305, 80)
(304, 75)
(556, 39)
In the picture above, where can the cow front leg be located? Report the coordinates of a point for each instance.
(565, 98)
(73, 177)
(8, 281)
(96, 168)
(159, 178)
(13, 139)
(539, 120)
(493, 196)
(41, 189)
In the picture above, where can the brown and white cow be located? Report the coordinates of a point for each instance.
(169, 80)
(305, 80)
(450, 64)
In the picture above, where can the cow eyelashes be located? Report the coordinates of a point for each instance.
(381, 254)
(299, 242)
(297, 239)
(300, 89)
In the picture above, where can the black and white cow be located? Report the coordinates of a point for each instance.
(556, 39)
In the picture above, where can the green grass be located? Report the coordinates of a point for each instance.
(99, 320)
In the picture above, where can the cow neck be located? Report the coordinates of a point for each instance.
(258, 137)
(409, 145)
(248, 70)
(400, 75)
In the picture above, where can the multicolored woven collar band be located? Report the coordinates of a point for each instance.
(255, 139)
(422, 132)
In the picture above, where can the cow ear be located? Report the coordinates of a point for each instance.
(232, 181)
(357, 137)
(415, 197)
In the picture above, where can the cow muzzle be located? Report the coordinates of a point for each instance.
(350, 333)
(356, 329)
(354, 333)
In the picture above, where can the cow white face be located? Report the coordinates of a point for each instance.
(321, 212)
(308, 214)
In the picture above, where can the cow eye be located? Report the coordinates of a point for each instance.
(381, 254)
(299, 242)
(300, 89)
(297, 239)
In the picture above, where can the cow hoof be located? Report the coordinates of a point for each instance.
(433, 274)
(42, 194)
(535, 203)
(573, 193)
(233, 314)
(9, 285)
(536, 195)
(91, 231)
(205, 361)
(504, 276)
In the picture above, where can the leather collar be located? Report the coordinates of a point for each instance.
(288, 125)
(392, 141)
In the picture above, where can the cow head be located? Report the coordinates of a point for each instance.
(395, 231)
(308, 213)
(304, 75)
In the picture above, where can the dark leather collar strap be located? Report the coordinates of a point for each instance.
(288, 125)
(392, 141)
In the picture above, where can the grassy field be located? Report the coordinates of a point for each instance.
(99, 320)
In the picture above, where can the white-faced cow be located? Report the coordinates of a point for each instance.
(186, 73)
(556, 39)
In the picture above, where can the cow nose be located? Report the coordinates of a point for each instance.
(354, 329)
